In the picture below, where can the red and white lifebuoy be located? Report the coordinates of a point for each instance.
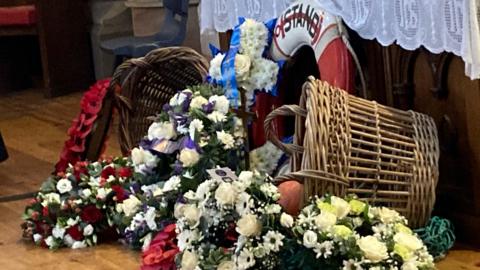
(304, 23)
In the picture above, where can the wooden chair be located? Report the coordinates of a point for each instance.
(138, 90)
(62, 30)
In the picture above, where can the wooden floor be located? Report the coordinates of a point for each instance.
(34, 129)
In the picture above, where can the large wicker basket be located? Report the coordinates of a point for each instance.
(147, 83)
(350, 145)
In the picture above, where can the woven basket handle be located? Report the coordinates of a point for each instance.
(312, 174)
(270, 134)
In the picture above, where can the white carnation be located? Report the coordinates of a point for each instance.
(249, 225)
(226, 194)
(189, 260)
(189, 157)
(215, 70)
(172, 184)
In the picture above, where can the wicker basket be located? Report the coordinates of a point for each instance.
(350, 145)
(149, 82)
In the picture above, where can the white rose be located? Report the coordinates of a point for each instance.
(79, 244)
(68, 240)
(373, 249)
(342, 207)
(387, 215)
(310, 239)
(242, 67)
(64, 185)
(217, 117)
(131, 205)
(248, 225)
(71, 222)
(189, 260)
(88, 230)
(286, 220)
(161, 130)
(226, 194)
(189, 157)
(37, 237)
(325, 220)
(226, 139)
(192, 214)
(197, 102)
(102, 193)
(226, 265)
(177, 99)
(221, 103)
(58, 232)
(407, 240)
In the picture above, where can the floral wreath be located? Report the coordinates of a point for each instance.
(90, 105)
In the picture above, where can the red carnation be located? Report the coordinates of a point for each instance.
(124, 172)
(75, 233)
(119, 193)
(91, 214)
(161, 253)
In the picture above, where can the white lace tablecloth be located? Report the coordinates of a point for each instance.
(222, 15)
(438, 25)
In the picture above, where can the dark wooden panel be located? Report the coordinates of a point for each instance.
(64, 41)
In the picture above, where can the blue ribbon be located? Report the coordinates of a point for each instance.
(228, 80)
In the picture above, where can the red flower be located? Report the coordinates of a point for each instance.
(124, 172)
(161, 253)
(75, 233)
(119, 193)
(79, 169)
(91, 214)
(45, 211)
(109, 170)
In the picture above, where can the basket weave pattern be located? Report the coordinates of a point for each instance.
(350, 145)
(147, 83)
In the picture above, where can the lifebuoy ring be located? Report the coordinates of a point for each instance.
(304, 23)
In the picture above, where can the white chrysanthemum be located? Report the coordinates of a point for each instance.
(273, 241)
(217, 117)
(226, 139)
(172, 184)
(324, 249)
(215, 70)
(221, 103)
(185, 238)
(161, 131)
(263, 75)
(244, 204)
(203, 190)
(253, 38)
(245, 259)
